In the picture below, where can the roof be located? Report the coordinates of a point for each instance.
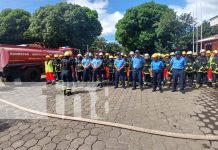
(214, 17)
(211, 38)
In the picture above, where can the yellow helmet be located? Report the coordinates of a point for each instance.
(208, 52)
(115, 57)
(60, 56)
(56, 56)
(67, 54)
(167, 55)
(155, 55)
(215, 51)
(107, 54)
(184, 53)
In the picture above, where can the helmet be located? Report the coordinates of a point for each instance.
(208, 52)
(107, 54)
(202, 51)
(47, 56)
(67, 53)
(100, 54)
(90, 54)
(184, 53)
(56, 56)
(111, 57)
(131, 53)
(115, 57)
(189, 53)
(195, 54)
(147, 56)
(215, 51)
(121, 54)
(79, 55)
(167, 55)
(60, 56)
(159, 55)
(172, 54)
(155, 55)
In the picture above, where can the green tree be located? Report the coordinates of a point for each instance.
(145, 27)
(13, 25)
(99, 44)
(65, 24)
(113, 47)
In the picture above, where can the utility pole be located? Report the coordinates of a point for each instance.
(193, 49)
(201, 26)
(197, 26)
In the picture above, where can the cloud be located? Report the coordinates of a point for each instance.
(108, 20)
(208, 8)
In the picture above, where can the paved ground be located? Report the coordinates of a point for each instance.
(195, 112)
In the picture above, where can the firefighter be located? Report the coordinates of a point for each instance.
(172, 54)
(97, 70)
(214, 66)
(49, 70)
(146, 70)
(157, 68)
(66, 73)
(189, 69)
(87, 68)
(129, 68)
(195, 55)
(201, 65)
(103, 66)
(111, 69)
(57, 67)
(119, 65)
(166, 64)
(79, 68)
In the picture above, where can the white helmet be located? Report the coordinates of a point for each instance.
(90, 54)
(203, 51)
(79, 55)
(121, 54)
(111, 57)
(100, 54)
(131, 53)
(147, 55)
(189, 53)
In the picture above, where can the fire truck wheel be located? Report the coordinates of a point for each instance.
(31, 75)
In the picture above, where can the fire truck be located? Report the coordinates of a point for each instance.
(25, 62)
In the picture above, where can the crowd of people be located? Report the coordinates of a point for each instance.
(171, 69)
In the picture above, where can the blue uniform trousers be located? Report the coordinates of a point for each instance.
(119, 75)
(137, 76)
(178, 75)
(157, 79)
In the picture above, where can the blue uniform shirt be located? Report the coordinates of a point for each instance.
(138, 62)
(178, 63)
(86, 62)
(96, 62)
(157, 65)
(119, 62)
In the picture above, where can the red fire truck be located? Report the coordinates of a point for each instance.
(25, 62)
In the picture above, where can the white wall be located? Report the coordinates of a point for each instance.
(214, 22)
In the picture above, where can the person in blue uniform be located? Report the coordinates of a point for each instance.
(66, 73)
(86, 63)
(97, 72)
(119, 65)
(178, 64)
(137, 64)
(157, 67)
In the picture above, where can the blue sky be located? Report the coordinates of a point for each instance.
(110, 10)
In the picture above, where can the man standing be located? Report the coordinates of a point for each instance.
(57, 67)
(137, 63)
(66, 73)
(201, 65)
(97, 69)
(49, 71)
(189, 69)
(214, 66)
(129, 68)
(119, 65)
(86, 63)
(146, 70)
(157, 68)
(178, 64)
(79, 67)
